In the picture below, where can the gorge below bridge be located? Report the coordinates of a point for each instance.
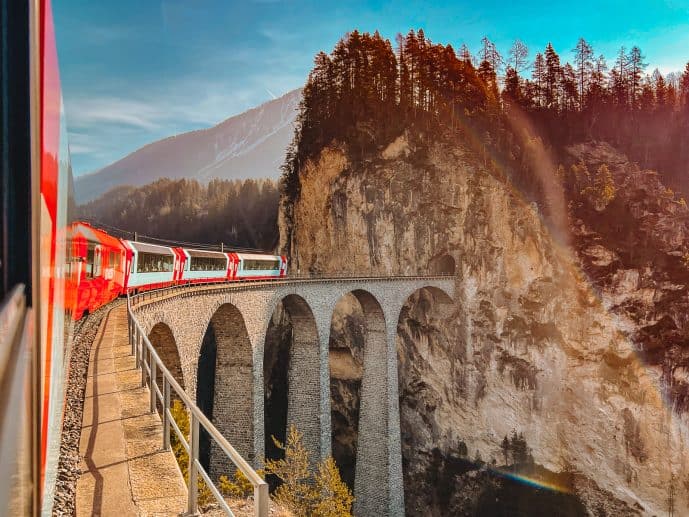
(213, 339)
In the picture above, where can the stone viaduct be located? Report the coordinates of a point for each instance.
(227, 325)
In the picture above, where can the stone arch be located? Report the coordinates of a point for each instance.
(430, 343)
(292, 375)
(165, 345)
(442, 265)
(368, 367)
(224, 390)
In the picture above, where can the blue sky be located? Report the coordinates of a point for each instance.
(134, 71)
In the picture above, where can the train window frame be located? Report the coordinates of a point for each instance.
(208, 263)
(114, 262)
(89, 260)
(98, 263)
(253, 262)
(154, 263)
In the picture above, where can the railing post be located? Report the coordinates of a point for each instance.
(137, 346)
(129, 326)
(261, 500)
(142, 354)
(132, 336)
(152, 381)
(166, 418)
(192, 506)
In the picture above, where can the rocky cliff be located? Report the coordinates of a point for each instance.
(556, 381)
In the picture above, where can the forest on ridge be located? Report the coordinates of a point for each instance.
(237, 213)
(365, 93)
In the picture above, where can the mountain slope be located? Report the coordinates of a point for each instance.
(249, 145)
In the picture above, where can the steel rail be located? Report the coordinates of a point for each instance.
(149, 362)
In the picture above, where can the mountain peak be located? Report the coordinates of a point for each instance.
(248, 145)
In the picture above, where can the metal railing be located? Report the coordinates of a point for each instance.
(149, 362)
(155, 294)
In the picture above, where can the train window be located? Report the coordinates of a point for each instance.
(90, 259)
(208, 264)
(154, 263)
(115, 260)
(261, 265)
(98, 263)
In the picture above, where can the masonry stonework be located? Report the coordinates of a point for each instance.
(238, 406)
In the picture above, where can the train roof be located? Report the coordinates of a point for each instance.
(257, 256)
(95, 235)
(205, 253)
(145, 247)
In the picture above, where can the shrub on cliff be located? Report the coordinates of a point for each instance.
(308, 494)
(305, 494)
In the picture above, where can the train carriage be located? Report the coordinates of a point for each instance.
(151, 266)
(97, 269)
(253, 266)
(205, 266)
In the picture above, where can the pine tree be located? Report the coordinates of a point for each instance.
(512, 91)
(647, 101)
(539, 78)
(636, 66)
(596, 94)
(583, 60)
(465, 55)
(487, 74)
(505, 446)
(619, 80)
(305, 495)
(553, 71)
(660, 89)
(334, 499)
(684, 89)
(489, 52)
(569, 94)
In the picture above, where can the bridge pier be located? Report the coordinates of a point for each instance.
(394, 438)
(304, 386)
(378, 488)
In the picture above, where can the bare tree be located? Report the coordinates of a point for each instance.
(519, 54)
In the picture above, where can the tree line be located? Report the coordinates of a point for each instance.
(365, 92)
(240, 213)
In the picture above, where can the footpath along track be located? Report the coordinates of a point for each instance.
(124, 469)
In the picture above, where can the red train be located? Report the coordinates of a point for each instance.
(102, 267)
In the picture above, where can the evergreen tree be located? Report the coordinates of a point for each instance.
(596, 94)
(465, 55)
(512, 91)
(636, 66)
(583, 60)
(489, 53)
(660, 90)
(553, 72)
(619, 80)
(539, 78)
(684, 89)
(569, 94)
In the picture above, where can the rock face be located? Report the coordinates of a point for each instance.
(550, 380)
